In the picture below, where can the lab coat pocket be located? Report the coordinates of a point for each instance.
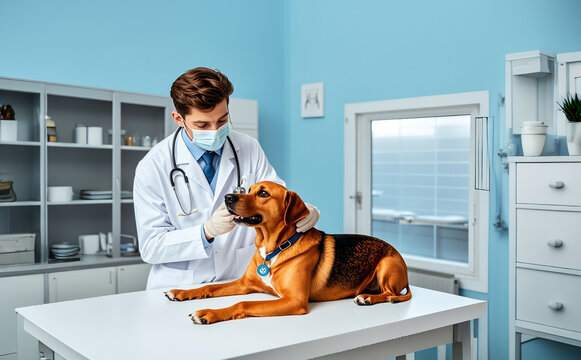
(164, 276)
(243, 257)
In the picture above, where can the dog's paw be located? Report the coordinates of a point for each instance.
(362, 300)
(203, 317)
(197, 320)
(170, 295)
(181, 295)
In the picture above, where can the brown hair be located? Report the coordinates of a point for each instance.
(200, 88)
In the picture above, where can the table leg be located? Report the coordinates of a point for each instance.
(462, 345)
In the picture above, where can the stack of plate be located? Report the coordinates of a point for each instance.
(103, 194)
(64, 251)
(96, 194)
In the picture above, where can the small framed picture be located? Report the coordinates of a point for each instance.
(312, 100)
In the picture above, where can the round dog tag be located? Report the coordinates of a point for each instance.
(262, 270)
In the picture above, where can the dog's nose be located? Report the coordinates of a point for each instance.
(230, 199)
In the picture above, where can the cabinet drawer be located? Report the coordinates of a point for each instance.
(534, 183)
(538, 233)
(537, 291)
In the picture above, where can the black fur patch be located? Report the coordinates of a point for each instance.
(356, 256)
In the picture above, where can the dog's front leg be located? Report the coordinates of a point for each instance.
(236, 287)
(284, 306)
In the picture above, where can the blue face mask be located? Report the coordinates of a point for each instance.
(210, 140)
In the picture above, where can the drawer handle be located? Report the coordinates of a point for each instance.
(555, 243)
(557, 185)
(557, 306)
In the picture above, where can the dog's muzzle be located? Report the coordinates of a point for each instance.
(231, 200)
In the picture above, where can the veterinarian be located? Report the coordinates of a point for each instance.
(183, 228)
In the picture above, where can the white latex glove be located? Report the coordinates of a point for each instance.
(308, 222)
(220, 223)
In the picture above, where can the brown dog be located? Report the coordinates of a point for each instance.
(300, 267)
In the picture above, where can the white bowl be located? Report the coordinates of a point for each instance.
(60, 193)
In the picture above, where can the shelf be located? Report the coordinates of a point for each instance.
(20, 143)
(20, 203)
(80, 202)
(78, 146)
(135, 148)
(86, 262)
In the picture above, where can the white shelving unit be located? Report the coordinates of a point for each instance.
(34, 164)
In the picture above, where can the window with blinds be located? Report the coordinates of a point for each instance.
(421, 185)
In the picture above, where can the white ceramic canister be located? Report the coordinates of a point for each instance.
(80, 134)
(95, 135)
(533, 135)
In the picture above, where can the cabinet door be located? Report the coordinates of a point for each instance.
(17, 291)
(80, 284)
(132, 277)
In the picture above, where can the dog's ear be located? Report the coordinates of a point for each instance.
(295, 209)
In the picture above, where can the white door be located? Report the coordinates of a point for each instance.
(17, 291)
(132, 277)
(80, 284)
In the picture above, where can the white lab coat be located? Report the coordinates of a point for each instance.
(173, 243)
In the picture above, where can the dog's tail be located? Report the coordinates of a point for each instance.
(401, 297)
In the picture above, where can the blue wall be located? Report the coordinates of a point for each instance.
(378, 50)
(362, 51)
(143, 46)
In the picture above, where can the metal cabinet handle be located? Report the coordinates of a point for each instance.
(557, 185)
(557, 306)
(555, 243)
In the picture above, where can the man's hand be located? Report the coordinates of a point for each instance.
(305, 224)
(220, 223)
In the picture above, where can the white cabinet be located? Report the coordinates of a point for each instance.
(132, 278)
(529, 89)
(544, 250)
(80, 284)
(16, 291)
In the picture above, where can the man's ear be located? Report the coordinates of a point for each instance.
(177, 118)
(295, 209)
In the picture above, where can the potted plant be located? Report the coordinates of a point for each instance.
(571, 107)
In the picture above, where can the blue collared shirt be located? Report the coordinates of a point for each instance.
(197, 153)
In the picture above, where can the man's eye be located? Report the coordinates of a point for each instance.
(263, 194)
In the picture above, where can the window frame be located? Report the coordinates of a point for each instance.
(357, 212)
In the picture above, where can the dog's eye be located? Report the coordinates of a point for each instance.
(263, 194)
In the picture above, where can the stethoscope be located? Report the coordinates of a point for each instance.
(237, 190)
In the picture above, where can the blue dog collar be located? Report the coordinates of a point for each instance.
(263, 269)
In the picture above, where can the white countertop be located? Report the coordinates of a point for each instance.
(145, 325)
(540, 159)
